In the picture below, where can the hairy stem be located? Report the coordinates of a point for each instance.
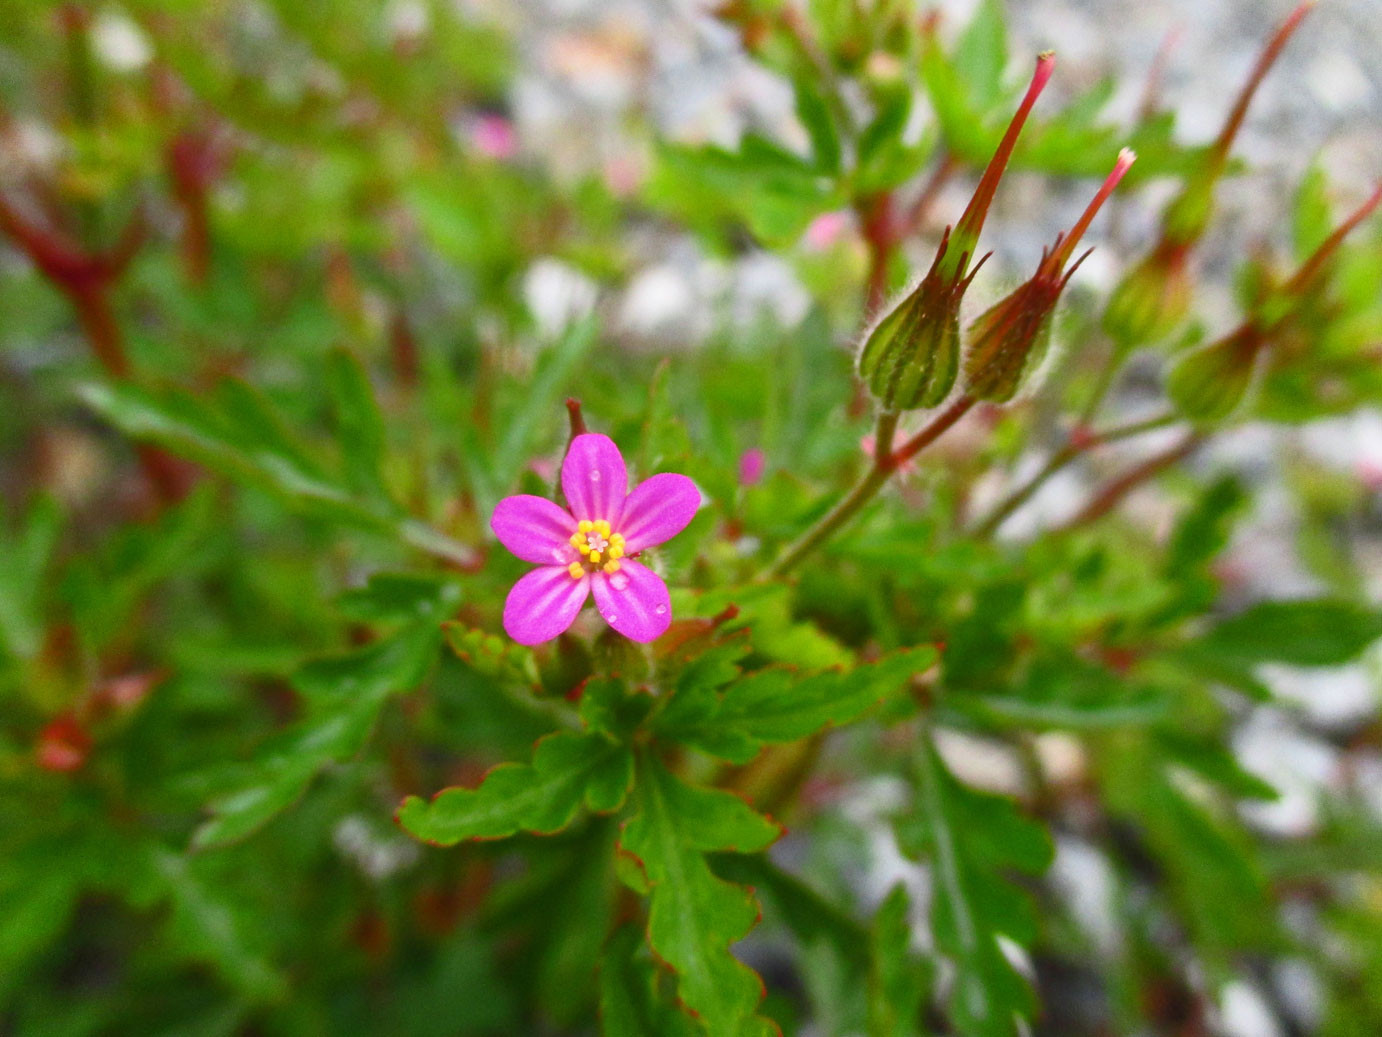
(1062, 457)
(885, 462)
(1112, 494)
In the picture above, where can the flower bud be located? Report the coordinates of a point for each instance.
(1152, 298)
(911, 357)
(1010, 339)
(1209, 383)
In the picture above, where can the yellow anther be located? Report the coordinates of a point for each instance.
(595, 557)
(577, 539)
(615, 551)
(585, 525)
(611, 566)
(602, 527)
(583, 548)
(617, 539)
(576, 570)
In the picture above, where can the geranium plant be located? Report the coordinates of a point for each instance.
(984, 636)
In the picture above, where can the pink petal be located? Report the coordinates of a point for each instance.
(534, 529)
(634, 601)
(543, 604)
(658, 509)
(594, 479)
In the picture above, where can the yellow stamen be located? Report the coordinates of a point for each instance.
(595, 557)
(583, 548)
(576, 570)
(615, 551)
(577, 539)
(611, 566)
(585, 525)
(602, 527)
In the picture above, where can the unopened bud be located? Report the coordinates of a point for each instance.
(1209, 383)
(1152, 298)
(911, 357)
(1008, 341)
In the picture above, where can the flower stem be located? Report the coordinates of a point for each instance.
(1059, 460)
(1112, 494)
(885, 462)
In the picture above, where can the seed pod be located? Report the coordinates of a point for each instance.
(1209, 383)
(1008, 341)
(1152, 298)
(911, 357)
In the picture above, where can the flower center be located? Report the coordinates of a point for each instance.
(600, 549)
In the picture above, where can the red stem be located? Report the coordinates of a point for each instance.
(1112, 494)
(1219, 153)
(972, 221)
(928, 435)
(1126, 158)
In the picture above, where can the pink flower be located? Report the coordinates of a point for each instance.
(752, 462)
(493, 137)
(825, 230)
(590, 549)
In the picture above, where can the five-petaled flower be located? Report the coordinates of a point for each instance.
(590, 549)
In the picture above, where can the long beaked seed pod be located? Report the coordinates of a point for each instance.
(1209, 383)
(911, 357)
(1008, 341)
(1153, 298)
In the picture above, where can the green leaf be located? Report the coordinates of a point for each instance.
(1203, 531)
(1212, 874)
(26, 558)
(568, 769)
(777, 704)
(631, 1003)
(211, 928)
(347, 693)
(359, 425)
(241, 437)
(814, 113)
(492, 655)
(981, 54)
(971, 840)
(811, 917)
(1307, 632)
(1065, 691)
(398, 597)
(898, 980)
(694, 916)
(1312, 218)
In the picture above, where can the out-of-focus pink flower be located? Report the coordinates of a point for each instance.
(825, 230)
(751, 465)
(588, 549)
(1370, 473)
(624, 175)
(493, 137)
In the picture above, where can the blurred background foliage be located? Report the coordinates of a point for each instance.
(288, 303)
